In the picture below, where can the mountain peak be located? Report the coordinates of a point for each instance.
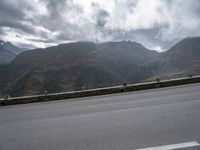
(8, 52)
(11, 48)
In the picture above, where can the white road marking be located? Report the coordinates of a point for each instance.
(173, 146)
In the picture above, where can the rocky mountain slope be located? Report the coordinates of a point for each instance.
(182, 59)
(85, 65)
(74, 66)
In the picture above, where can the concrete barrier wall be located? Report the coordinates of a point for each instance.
(100, 91)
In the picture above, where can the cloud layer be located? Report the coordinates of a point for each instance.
(157, 24)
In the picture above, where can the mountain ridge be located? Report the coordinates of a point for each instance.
(8, 52)
(86, 65)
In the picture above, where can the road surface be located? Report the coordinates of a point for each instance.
(158, 119)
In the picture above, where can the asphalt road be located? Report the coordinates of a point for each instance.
(127, 121)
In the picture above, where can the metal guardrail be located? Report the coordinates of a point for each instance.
(99, 91)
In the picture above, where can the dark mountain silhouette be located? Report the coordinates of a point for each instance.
(85, 65)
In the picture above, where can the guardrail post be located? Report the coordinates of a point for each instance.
(45, 93)
(6, 98)
(157, 80)
(124, 87)
(189, 75)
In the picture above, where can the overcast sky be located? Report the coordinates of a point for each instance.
(157, 24)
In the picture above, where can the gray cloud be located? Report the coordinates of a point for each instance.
(102, 17)
(156, 24)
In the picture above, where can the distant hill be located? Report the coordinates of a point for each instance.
(85, 65)
(182, 59)
(8, 52)
(6, 56)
